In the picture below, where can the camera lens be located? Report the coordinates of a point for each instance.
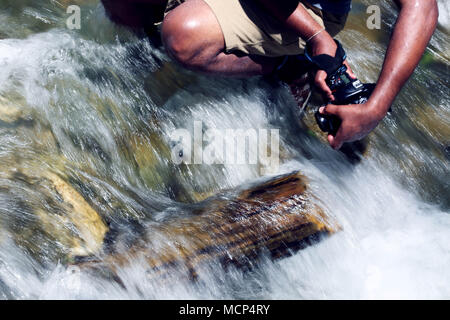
(328, 123)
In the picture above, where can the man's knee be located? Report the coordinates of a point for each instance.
(176, 33)
(191, 34)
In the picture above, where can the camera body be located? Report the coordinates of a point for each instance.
(346, 91)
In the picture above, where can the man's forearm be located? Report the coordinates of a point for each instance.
(414, 27)
(294, 16)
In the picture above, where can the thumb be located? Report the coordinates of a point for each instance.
(331, 109)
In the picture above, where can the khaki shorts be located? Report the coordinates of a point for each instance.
(248, 29)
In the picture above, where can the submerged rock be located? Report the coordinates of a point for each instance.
(55, 221)
(12, 114)
(277, 218)
(91, 229)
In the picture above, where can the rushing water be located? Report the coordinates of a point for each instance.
(98, 105)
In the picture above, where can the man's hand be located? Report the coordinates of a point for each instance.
(358, 120)
(414, 27)
(321, 76)
(323, 43)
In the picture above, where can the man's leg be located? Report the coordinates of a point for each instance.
(192, 36)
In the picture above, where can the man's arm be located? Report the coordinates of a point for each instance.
(295, 17)
(413, 30)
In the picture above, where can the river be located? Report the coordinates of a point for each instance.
(98, 105)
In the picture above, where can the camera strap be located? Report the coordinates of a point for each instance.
(326, 62)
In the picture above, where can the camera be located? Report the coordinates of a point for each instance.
(346, 91)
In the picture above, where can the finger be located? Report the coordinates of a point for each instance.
(349, 70)
(321, 76)
(322, 85)
(330, 140)
(336, 141)
(331, 109)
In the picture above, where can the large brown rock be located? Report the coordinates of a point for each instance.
(277, 218)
